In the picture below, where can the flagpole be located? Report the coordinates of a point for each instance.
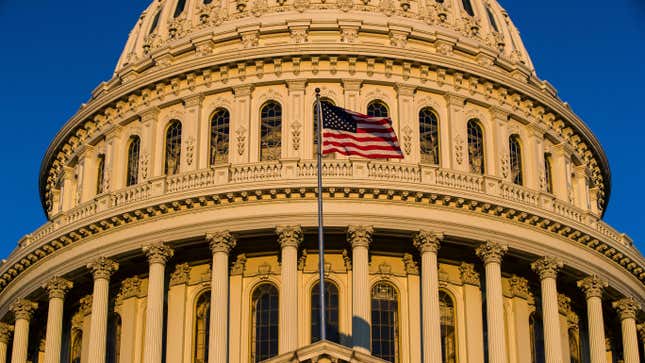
(321, 241)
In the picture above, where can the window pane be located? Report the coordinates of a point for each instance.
(265, 323)
(219, 137)
(132, 177)
(202, 321)
(331, 312)
(468, 7)
(491, 18)
(155, 22)
(385, 322)
(100, 174)
(448, 337)
(271, 132)
(548, 173)
(475, 147)
(173, 148)
(377, 109)
(429, 136)
(516, 159)
(181, 4)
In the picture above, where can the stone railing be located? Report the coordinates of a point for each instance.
(361, 170)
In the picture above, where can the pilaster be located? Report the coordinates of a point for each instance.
(519, 301)
(294, 124)
(456, 155)
(240, 127)
(190, 156)
(473, 310)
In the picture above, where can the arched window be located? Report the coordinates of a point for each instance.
(385, 322)
(76, 346)
(181, 4)
(574, 346)
(476, 147)
(429, 136)
(155, 22)
(468, 7)
(271, 131)
(377, 108)
(206, 2)
(265, 322)
(219, 136)
(491, 18)
(173, 148)
(315, 151)
(515, 152)
(548, 173)
(132, 177)
(100, 174)
(448, 324)
(331, 312)
(201, 330)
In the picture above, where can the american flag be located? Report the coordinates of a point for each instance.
(351, 133)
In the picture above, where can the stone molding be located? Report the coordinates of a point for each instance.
(85, 305)
(103, 268)
(57, 287)
(289, 236)
(239, 265)
(427, 241)
(158, 253)
(23, 309)
(519, 287)
(627, 308)
(6, 331)
(564, 304)
(221, 241)
(592, 286)
(468, 274)
(130, 287)
(547, 267)
(181, 275)
(360, 236)
(491, 252)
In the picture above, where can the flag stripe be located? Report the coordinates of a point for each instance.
(360, 146)
(369, 155)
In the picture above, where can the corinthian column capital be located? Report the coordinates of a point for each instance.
(547, 267)
(158, 253)
(427, 241)
(103, 268)
(57, 287)
(289, 236)
(360, 236)
(221, 241)
(641, 331)
(5, 332)
(23, 309)
(592, 286)
(491, 252)
(627, 308)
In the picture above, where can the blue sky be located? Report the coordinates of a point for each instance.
(55, 53)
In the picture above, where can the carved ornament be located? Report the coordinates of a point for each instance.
(547, 267)
(592, 286)
(360, 236)
(23, 309)
(289, 236)
(427, 241)
(181, 275)
(491, 252)
(221, 241)
(627, 308)
(158, 253)
(5, 333)
(57, 287)
(468, 274)
(102, 268)
(519, 287)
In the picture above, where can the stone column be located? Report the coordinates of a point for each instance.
(547, 268)
(56, 289)
(102, 268)
(473, 310)
(360, 238)
(158, 254)
(23, 310)
(592, 286)
(428, 244)
(627, 309)
(5, 335)
(641, 334)
(221, 243)
(491, 253)
(289, 238)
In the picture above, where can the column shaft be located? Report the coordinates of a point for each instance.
(217, 345)
(20, 341)
(551, 318)
(98, 330)
(152, 352)
(630, 341)
(431, 313)
(54, 330)
(289, 300)
(495, 314)
(360, 299)
(596, 330)
(3, 352)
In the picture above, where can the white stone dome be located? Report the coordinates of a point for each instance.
(484, 25)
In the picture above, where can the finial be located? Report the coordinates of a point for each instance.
(318, 91)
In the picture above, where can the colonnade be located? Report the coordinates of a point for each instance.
(289, 238)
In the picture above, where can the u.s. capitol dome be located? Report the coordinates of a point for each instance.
(181, 200)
